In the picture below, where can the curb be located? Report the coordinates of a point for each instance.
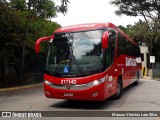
(150, 78)
(20, 87)
(146, 77)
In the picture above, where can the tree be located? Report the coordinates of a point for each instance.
(140, 33)
(41, 8)
(149, 9)
(20, 27)
(32, 9)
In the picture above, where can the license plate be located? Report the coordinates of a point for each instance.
(68, 94)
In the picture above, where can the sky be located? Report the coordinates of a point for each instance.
(91, 11)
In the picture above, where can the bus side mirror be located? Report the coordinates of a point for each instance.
(37, 45)
(105, 39)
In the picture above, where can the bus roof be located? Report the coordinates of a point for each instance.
(82, 27)
(91, 26)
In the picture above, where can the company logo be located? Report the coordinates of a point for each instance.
(79, 26)
(68, 86)
(20, 114)
(6, 114)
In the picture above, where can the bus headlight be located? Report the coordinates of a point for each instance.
(96, 82)
(47, 82)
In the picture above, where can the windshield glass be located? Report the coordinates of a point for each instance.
(75, 54)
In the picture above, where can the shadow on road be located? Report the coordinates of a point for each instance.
(96, 105)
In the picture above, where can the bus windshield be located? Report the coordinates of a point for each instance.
(75, 54)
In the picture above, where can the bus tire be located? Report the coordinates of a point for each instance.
(137, 79)
(119, 90)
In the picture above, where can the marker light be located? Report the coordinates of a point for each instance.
(95, 94)
(47, 82)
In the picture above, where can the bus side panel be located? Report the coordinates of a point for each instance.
(126, 67)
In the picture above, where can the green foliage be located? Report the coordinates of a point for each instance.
(21, 26)
(122, 28)
(40, 8)
(149, 9)
(140, 33)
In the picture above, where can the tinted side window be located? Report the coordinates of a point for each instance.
(127, 47)
(121, 45)
(132, 49)
(137, 52)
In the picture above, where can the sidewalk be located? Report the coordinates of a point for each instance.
(20, 87)
(150, 78)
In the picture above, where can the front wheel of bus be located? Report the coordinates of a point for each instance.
(119, 90)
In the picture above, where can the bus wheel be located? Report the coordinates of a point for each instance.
(119, 90)
(137, 79)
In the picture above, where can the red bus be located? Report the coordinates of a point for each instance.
(89, 62)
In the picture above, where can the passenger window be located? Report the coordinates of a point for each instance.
(127, 47)
(121, 45)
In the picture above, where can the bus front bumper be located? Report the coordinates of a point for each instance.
(96, 93)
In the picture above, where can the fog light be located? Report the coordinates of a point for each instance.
(95, 94)
(47, 93)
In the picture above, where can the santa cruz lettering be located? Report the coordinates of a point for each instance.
(130, 62)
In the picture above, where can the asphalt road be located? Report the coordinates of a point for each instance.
(144, 97)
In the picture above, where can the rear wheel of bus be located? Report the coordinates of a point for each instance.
(137, 79)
